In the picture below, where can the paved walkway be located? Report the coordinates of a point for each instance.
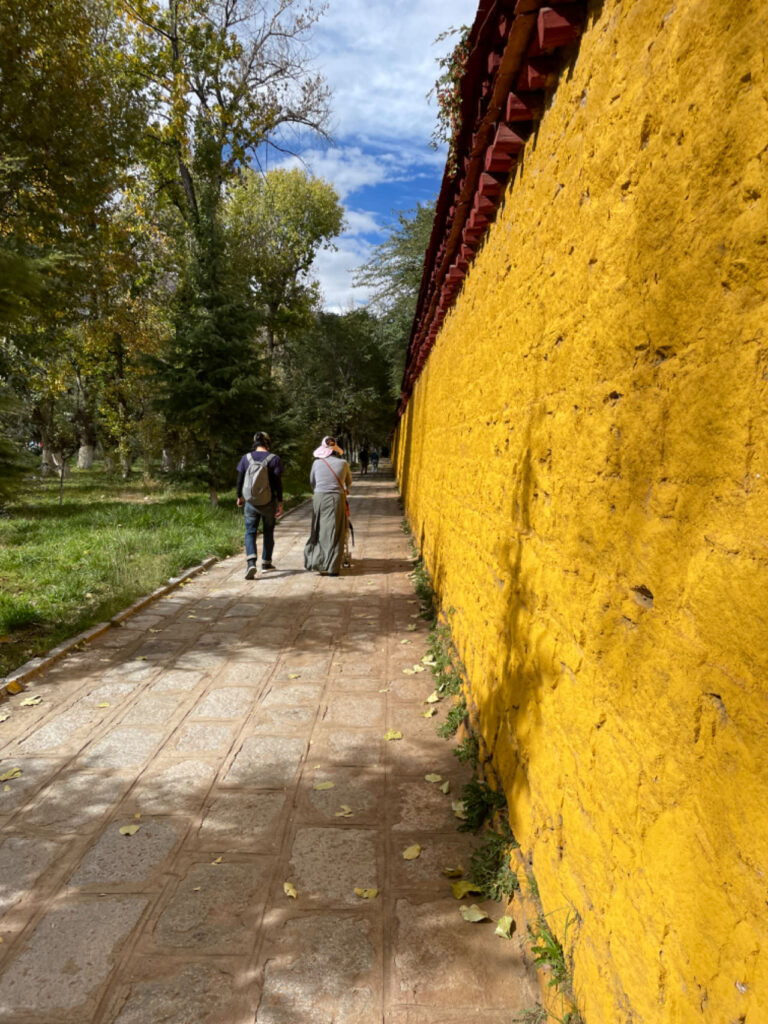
(216, 721)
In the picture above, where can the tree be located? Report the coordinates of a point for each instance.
(393, 273)
(70, 114)
(276, 225)
(223, 77)
(337, 376)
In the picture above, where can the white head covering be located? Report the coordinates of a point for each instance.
(328, 447)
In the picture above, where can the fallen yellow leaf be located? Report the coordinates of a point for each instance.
(129, 830)
(428, 659)
(393, 734)
(456, 872)
(433, 698)
(473, 913)
(217, 861)
(290, 890)
(505, 927)
(433, 777)
(419, 668)
(367, 894)
(294, 675)
(324, 785)
(14, 687)
(104, 704)
(12, 773)
(462, 889)
(385, 690)
(196, 888)
(411, 628)
(458, 809)
(345, 812)
(446, 787)
(4, 716)
(405, 641)
(30, 702)
(412, 852)
(408, 672)
(429, 713)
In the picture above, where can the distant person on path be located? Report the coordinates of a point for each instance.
(260, 490)
(364, 460)
(331, 480)
(374, 461)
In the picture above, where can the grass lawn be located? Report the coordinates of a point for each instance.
(63, 569)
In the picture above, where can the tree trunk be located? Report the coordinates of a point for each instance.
(85, 456)
(109, 464)
(214, 497)
(168, 461)
(126, 466)
(47, 463)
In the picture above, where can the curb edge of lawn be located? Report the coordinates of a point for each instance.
(16, 680)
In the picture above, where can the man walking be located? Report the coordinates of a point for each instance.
(260, 490)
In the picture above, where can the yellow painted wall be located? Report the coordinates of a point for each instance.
(593, 420)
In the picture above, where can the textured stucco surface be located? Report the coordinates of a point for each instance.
(584, 463)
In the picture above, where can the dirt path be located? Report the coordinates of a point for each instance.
(212, 721)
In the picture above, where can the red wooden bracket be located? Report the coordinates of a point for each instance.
(558, 26)
(491, 184)
(523, 106)
(485, 206)
(536, 73)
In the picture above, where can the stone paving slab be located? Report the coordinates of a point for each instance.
(240, 726)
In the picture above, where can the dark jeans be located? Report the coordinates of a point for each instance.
(254, 515)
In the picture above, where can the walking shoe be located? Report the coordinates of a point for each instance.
(267, 566)
(250, 572)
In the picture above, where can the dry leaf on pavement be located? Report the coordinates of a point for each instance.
(393, 734)
(367, 894)
(290, 890)
(505, 927)
(462, 889)
(456, 872)
(412, 852)
(129, 830)
(473, 913)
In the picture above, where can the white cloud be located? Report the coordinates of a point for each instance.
(379, 58)
(362, 222)
(334, 270)
(348, 168)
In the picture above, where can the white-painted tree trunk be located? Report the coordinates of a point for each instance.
(85, 456)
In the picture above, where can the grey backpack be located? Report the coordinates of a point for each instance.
(256, 487)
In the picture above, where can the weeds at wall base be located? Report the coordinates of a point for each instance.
(491, 866)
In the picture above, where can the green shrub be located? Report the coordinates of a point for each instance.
(480, 801)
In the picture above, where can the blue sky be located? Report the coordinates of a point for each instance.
(379, 59)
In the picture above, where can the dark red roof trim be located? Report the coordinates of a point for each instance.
(512, 60)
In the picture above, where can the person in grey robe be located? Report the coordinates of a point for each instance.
(331, 480)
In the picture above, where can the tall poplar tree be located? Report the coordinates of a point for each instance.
(223, 77)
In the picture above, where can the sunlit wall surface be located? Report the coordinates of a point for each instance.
(584, 462)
